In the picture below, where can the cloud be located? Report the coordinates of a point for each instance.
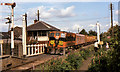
(115, 23)
(46, 15)
(60, 0)
(64, 29)
(75, 27)
(3, 27)
(92, 25)
(68, 12)
(32, 12)
(48, 12)
(107, 25)
(52, 9)
(116, 12)
(5, 9)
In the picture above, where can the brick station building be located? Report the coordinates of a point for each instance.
(39, 32)
(37, 37)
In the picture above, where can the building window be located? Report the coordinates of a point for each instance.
(29, 33)
(44, 33)
(35, 33)
(39, 33)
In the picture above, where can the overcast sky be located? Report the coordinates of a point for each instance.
(67, 16)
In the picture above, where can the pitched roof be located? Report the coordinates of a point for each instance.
(18, 29)
(40, 25)
(17, 33)
(4, 35)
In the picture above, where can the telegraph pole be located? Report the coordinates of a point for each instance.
(78, 30)
(111, 8)
(12, 25)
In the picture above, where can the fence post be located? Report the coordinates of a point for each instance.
(35, 48)
(1, 47)
(43, 48)
(28, 49)
(32, 49)
(38, 48)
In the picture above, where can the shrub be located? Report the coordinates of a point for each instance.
(74, 60)
(84, 53)
(59, 64)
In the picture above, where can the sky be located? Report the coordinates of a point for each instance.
(67, 16)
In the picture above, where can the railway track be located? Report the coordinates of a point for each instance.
(39, 60)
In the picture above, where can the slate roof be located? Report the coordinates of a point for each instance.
(4, 35)
(40, 25)
(18, 29)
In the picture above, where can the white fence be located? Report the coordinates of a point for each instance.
(35, 49)
(1, 47)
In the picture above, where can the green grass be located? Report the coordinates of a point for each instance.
(72, 62)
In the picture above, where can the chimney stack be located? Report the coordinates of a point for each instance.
(35, 21)
(38, 15)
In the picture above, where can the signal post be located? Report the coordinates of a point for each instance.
(12, 26)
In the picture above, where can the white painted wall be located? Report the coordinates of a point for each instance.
(1, 47)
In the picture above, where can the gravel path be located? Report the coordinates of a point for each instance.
(38, 60)
(85, 64)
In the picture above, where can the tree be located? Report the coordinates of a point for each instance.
(110, 60)
(94, 33)
(83, 32)
(104, 36)
(115, 28)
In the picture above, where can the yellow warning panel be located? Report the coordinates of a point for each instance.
(61, 43)
(52, 42)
